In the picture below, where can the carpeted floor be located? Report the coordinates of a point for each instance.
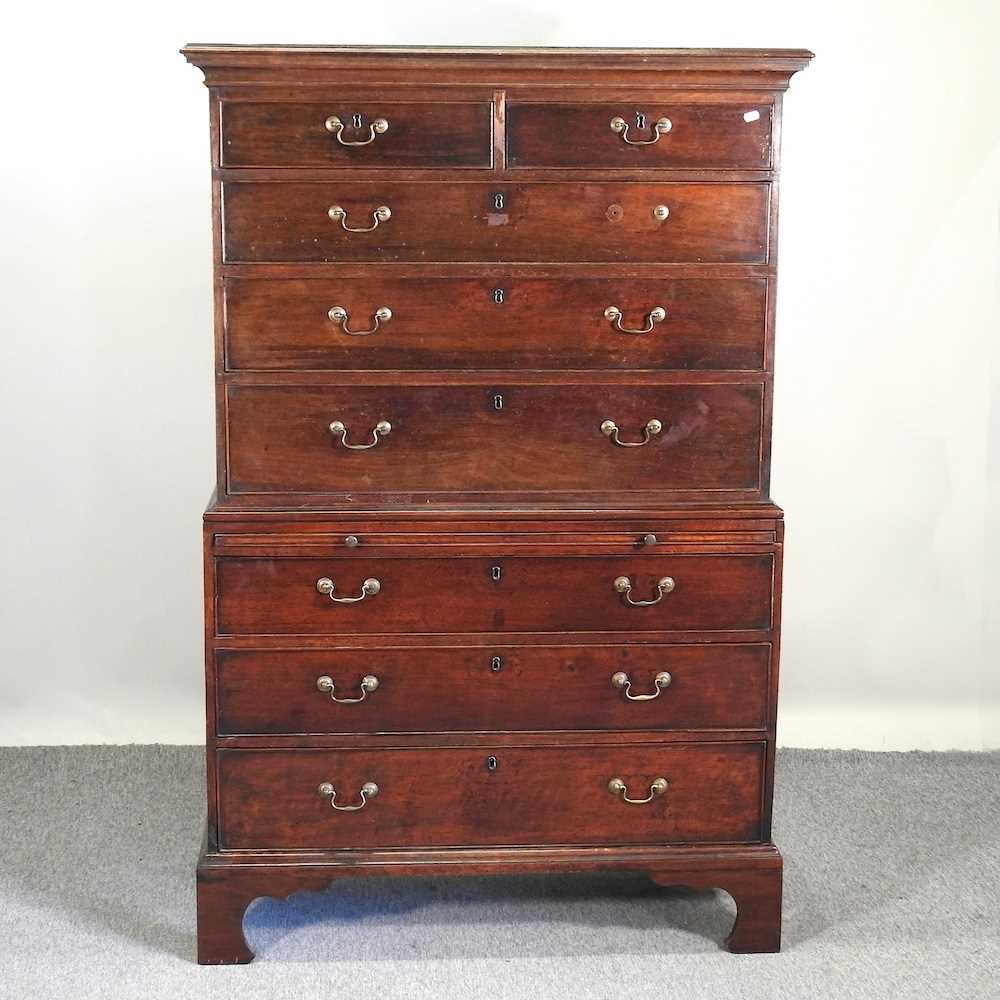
(892, 890)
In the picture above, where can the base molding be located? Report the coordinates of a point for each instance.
(228, 882)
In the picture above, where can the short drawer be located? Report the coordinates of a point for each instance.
(421, 689)
(721, 136)
(284, 800)
(498, 221)
(397, 439)
(497, 322)
(347, 131)
(463, 594)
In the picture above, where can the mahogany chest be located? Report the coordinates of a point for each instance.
(493, 578)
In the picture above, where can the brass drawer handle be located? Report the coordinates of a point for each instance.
(336, 126)
(379, 431)
(610, 429)
(369, 588)
(622, 682)
(624, 587)
(368, 791)
(620, 127)
(368, 684)
(655, 315)
(618, 787)
(381, 214)
(340, 316)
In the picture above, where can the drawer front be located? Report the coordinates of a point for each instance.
(492, 439)
(265, 596)
(453, 797)
(327, 134)
(492, 689)
(427, 221)
(495, 322)
(613, 135)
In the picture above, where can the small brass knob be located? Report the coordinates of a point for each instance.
(383, 212)
(659, 786)
(649, 539)
(336, 212)
(661, 212)
(608, 427)
(622, 583)
(657, 314)
(383, 427)
(613, 313)
(654, 426)
(351, 541)
(380, 125)
(666, 584)
(384, 313)
(372, 586)
(618, 124)
(324, 585)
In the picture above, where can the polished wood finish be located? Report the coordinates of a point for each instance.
(506, 688)
(228, 883)
(496, 515)
(471, 797)
(700, 135)
(459, 439)
(456, 323)
(460, 221)
(430, 134)
(456, 593)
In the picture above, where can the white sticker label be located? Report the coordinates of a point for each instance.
(751, 116)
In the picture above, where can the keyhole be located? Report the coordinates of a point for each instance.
(498, 201)
(498, 296)
(496, 572)
(492, 763)
(356, 120)
(640, 120)
(496, 664)
(498, 402)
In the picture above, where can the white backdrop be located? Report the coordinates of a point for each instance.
(887, 438)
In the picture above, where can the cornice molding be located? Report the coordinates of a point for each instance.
(256, 65)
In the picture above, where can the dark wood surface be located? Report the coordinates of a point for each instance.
(458, 221)
(429, 134)
(456, 593)
(455, 438)
(471, 797)
(229, 882)
(462, 488)
(504, 688)
(701, 135)
(457, 323)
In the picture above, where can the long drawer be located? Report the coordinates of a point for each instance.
(697, 792)
(464, 594)
(418, 689)
(309, 439)
(495, 221)
(383, 322)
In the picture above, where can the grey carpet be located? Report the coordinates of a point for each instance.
(892, 890)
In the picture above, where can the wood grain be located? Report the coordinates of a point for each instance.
(430, 221)
(501, 688)
(456, 323)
